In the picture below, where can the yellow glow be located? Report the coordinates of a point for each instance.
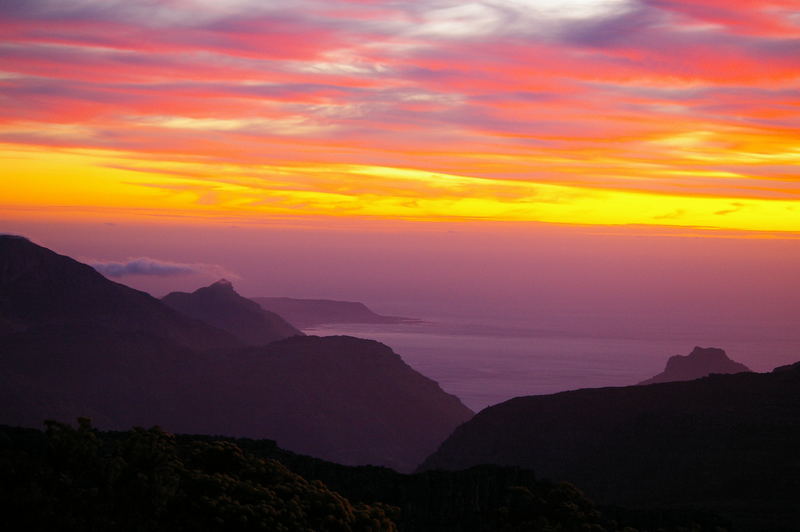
(83, 180)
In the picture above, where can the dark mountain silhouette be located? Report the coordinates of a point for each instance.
(340, 398)
(310, 312)
(701, 362)
(787, 367)
(345, 399)
(725, 442)
(219, 305)
(40, 289)
(81, 345)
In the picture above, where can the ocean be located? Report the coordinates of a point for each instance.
(484, 364)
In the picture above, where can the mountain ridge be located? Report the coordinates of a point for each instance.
(221, 306)
(87, 347)
(40, 288)
(308, 313)
(724, 442)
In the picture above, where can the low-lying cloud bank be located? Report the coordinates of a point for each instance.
(156, 267)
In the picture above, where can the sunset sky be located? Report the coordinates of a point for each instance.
(529, 152)
(659, 112)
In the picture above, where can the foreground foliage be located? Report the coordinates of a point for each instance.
(148, 480)
(77, 479)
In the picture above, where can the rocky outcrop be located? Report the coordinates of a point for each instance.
(701, 362)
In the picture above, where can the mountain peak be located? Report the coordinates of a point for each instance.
(708, 352)
(701, 356)
(223, 286)
(11, 236)
(42, 289)
(701, 362)
(221, 306)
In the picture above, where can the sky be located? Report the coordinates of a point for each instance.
(390, 150)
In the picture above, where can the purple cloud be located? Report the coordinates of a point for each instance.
(157, 268)
(143, 266)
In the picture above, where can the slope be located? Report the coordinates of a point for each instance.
(81, 345)
(727, 442)
(219, 305)
(40, 289)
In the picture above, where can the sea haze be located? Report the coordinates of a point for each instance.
(509, 310)
(484, 364)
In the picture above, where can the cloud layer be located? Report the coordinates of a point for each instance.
(153, 267)
(275, 109)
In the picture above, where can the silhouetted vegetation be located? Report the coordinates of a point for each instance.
(482, 498)
(144, 480)
(148, 480)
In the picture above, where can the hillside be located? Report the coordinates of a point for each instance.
(41, 290)
(345, 399)
(725, 442)
(219, 305)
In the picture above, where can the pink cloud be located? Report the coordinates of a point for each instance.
(415, 84)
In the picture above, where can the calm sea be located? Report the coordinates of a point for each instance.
(484, 365)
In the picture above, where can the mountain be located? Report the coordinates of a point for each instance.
(311, 312)
(345, 399)
(219, 305)
(77, 344)
(725, 442)
(40, 290)
(701, 362)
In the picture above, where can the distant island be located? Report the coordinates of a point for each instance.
(701, 362)
(306, 313)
